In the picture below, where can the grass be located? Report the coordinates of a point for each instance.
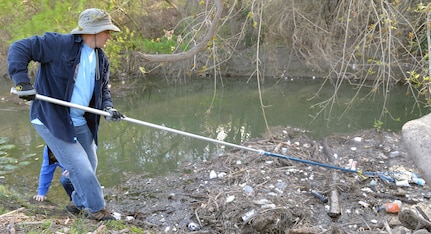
(25, 217)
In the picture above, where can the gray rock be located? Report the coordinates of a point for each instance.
(421, 231)
(416, 135)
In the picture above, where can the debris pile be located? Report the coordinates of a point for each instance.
(245, 192)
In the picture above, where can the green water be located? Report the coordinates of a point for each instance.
(229, 110)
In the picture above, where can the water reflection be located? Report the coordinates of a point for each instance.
(231, 113)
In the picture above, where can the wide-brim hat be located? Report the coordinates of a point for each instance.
(93, 21)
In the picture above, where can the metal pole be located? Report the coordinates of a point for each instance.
(104, 113)
(140, 122)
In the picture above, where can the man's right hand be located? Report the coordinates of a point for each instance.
(25, 91)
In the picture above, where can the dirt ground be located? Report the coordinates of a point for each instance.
(245, 192)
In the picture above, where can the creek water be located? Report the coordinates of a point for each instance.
(229, 109)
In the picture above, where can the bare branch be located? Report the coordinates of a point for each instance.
(154, 58)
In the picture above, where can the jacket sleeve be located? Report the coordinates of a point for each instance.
(36, 48)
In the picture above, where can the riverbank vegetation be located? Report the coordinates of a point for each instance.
(382, 41)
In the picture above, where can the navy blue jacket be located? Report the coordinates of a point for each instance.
(58, 56)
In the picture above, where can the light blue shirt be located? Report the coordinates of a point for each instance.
(84, 84)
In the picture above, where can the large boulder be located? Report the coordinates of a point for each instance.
(417, 139)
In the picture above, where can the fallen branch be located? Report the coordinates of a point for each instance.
(11, 212)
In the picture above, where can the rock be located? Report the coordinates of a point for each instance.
(421, 231)
(416, 135)
(411, 219)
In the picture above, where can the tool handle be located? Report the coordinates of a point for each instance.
(68, 104)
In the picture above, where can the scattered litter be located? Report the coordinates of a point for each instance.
(246, 217)
(418, 181)
(392, 207)
(230, 198)
(386, 178)
(357, 139)
(192, 226)
(321, 197)
(116, 215)
(248, 190)
(262, 202)
(402, 183)
(352, 164)
(213, 174)
(364, 204)
(221, 175)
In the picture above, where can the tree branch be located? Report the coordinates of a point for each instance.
(153, 58)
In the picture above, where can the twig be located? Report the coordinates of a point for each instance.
(100, 229)
(429, 37)
(419, 209)
(30, 223)
(387, 227)
(11, 212)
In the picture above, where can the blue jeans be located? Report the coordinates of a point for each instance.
(80, 160)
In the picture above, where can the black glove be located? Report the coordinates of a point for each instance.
(25, 91)
(115, 115)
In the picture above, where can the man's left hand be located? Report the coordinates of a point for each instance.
(115, 115)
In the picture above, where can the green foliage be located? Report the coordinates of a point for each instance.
(159, 46)
(8, 198)
(121, 44)
(378, 124)
(36, 17)
(7, 163)
(120, 225)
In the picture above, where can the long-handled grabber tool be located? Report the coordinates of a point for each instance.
(140, 122)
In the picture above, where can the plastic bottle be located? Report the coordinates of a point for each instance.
(418, 181)
(393, 207)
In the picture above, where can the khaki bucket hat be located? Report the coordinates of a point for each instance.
(93, 21)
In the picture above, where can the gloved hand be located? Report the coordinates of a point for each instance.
(115, 115)
(25, 91)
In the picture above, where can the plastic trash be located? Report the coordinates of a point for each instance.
(387, 178)
(418, 181)
(402, 183)
(192, 226)
(247, 216)
(248, 190)
(393, 207)
(319, 196)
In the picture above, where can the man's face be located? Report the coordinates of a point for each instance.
(102, 38)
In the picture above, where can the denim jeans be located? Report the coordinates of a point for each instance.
(80, 160)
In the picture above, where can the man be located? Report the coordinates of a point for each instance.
(74, 68)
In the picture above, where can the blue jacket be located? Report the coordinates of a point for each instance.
(58, 56)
